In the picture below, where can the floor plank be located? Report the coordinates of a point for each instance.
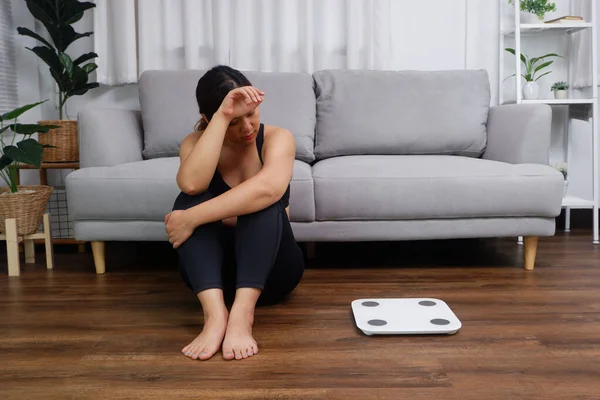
(69, 333)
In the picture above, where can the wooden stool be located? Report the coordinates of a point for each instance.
(12, 245)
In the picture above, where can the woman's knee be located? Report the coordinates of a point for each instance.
(185, 201)
(273, 212)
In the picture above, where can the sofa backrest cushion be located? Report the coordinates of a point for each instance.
(170, 112)
(401, 112)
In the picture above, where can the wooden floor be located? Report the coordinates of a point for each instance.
(69, 334)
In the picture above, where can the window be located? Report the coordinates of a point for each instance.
(8, 70)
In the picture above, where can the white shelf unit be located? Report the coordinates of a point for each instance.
(559, 27)
(524, 30)
(557, 102)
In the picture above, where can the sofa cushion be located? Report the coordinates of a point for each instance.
(146, 190)
(170, 111)
(302, 194)
(401, 112)
(429, 187)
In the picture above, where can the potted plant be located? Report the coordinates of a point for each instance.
(26, 204)
(71, 75)
(534, 9)
(534, 70)
(560, 90)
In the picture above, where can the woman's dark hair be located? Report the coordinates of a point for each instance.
(213, 87)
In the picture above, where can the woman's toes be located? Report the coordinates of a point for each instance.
(197, 352)
(238, 355)
(227, 353)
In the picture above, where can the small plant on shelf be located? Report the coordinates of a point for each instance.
(560, 89)
(560, 86)
(537, 7)
(534, 70)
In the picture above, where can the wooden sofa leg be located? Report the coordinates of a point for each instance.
(99, 260)
(531, 244)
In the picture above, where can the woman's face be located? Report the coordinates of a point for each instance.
(243, 130)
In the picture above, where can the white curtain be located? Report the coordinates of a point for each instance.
(132, 36)
(581, 62)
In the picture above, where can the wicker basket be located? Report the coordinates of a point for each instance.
(64, 139)
(27, 208)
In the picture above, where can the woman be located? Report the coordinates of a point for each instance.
(230, 222)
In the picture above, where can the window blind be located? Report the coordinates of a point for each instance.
(8, 69)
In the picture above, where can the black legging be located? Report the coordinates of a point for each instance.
(259, 252)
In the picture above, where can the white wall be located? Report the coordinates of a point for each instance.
(426, 35)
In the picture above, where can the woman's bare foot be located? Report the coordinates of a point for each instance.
(239, 342)
(209, 341)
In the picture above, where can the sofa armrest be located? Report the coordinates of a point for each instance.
(109, 137)
(519, 133)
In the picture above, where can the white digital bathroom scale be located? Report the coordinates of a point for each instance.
(408, 316)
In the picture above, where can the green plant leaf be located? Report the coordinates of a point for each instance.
(510, 76)
(67, 63)
(549, 72)
(72, 11)
(512, 51)
(68, 36)
(85, 57)
(544, 65)
(27, 151)
(30, 33)
(80, 78)
(43, 11)
(83, 90)
(18, 111)
(89, 68)
(46, 12)
(550, 55)
(60, 79)
(49, 57)
(529, 66)
(5, 161)
(30, 129)
(77, 84)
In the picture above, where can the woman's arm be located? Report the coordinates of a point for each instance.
(199, 156)
(199, 159)
(258, 192)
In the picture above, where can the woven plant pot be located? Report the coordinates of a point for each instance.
(27, 206)
(64, 140)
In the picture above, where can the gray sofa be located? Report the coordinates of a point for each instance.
(381, 155)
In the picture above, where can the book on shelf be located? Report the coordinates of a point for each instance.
(566, 19)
